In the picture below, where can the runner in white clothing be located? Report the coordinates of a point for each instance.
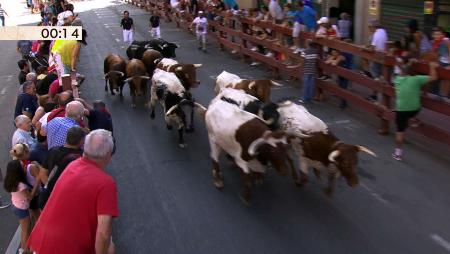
(201, 29)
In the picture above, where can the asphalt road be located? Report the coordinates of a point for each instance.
(169, 205)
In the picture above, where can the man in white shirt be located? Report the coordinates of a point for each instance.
(201, 29)
(22, 135)
(378, 43)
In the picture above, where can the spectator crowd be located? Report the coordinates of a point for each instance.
(60, 148)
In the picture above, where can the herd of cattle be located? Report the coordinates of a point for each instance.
(241, 120)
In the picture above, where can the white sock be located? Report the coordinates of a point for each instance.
(398, 151)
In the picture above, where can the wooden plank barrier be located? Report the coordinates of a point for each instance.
(234, 33)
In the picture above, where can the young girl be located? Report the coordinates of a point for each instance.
(15, 183)
(21, 153)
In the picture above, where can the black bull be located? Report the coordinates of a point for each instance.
(137, 48)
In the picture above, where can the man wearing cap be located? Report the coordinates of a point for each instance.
(201, 29)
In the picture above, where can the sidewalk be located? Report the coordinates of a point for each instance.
(18, 13)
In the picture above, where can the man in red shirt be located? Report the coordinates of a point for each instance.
(77, 218)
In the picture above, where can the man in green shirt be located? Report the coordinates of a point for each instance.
(407, 102)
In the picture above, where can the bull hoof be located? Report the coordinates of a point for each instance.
(259, 181)
(169, 127)
(152, 115)
(317, 174)
(302, 180)
(182, 145)
(328, 191)
(190, 130)
(245, 200)
(112, 93)
(218, 183)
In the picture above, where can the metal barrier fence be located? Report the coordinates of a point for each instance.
(234, 33)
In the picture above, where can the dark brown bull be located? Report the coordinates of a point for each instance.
(325, 151)
(137, 78)
(114, 68)
(149, 58)
(186, 73)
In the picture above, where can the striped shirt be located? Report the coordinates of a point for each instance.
(2, 12)
(310, 63)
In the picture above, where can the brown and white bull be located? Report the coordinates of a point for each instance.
(186, 73)
(248, 141)
(168, 90)
(114, 67)
(322, 149)
(137, 78)
(260, 88)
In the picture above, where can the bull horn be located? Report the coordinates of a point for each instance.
(179, 68)
(251, 85)
(144, 77)
(171, 110)
(255, 145)
(198, 65)
(297, 134)
(148, 46)
(127, 80)
(275, 83)
(200, 106)
(133, 46)
(333, 155)
(285, 103)
(366, 150)
(118, 72)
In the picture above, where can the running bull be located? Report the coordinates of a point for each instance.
(137, 48)
(168, 90)
(248, 141)
(260, 88)
(186, 73)
(321, 149)
(137, 78)
(114, 68)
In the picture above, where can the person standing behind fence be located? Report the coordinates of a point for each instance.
(127, 25)
(407, 98)
(201, 29)
(345, 26)
(155, 31)
(310, 59)
(2, 15)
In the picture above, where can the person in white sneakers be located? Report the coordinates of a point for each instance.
(201, 29)
(155, 32)
(128, 27)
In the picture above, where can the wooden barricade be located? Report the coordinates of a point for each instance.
(233, 32)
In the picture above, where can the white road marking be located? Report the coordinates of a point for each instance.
(117, 40)
(3, 91)
(441, 241)
(15, 243)
(374, 194)
(8, 78)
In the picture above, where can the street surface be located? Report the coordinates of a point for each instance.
(168, 203)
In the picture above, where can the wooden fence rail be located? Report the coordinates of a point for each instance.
(233, 33)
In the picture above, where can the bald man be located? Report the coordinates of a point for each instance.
(57, 129)
(63, 99)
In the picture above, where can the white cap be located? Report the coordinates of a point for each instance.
(323, 20)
